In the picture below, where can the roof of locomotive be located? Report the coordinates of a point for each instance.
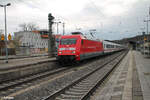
(73, 36)
(79, 36)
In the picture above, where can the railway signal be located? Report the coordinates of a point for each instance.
(51, 43)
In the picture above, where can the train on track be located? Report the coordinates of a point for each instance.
(77, 48)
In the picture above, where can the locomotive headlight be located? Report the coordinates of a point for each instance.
(73, 52)
(60, 52)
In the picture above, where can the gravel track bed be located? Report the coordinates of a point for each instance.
(10, 87)
(81, 89)
(51, 87)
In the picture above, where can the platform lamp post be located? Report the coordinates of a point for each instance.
(8, 4)
(145, 37)
(147, 24)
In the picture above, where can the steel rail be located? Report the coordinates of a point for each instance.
(21, 81)
(61, 91)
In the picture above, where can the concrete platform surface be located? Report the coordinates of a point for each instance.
(129, 81)
(143, 66)
(12, 63)
(22, 56)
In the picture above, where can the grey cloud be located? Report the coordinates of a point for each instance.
(91, 16)
(127, 25)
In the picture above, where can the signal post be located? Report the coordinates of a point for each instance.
(51, 39)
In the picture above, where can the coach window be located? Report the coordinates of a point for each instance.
(108, 46)
(112, 46)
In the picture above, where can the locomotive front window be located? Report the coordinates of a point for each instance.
(68, 41)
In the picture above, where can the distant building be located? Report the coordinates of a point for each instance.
(1, 31)
(0, 34)
(34, 41)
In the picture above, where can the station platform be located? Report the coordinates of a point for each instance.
(22, 56)
(20, 62)
(129, 81)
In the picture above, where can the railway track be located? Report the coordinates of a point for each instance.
(83, 87)
(9, 87)
(17, 72)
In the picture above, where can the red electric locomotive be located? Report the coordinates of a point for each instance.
(77, 48)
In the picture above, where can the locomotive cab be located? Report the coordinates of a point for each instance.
(68, 48)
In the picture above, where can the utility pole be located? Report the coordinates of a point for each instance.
(147, 24)
(57, 26)
(63, 28)
(51, 39)
(6, 30)
(146, 38)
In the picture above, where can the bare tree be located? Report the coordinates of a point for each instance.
(23, 27)
(32, 26)
(28, 26)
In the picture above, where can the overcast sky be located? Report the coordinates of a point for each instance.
(112, 19)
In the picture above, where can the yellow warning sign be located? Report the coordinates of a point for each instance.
(145, 38)
(2, 37)
(9, 37)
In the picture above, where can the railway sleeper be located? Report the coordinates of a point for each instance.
(64, 99)
(83, 84)
(74, 93)
(64, 96)
(83, 88)
(75, 90)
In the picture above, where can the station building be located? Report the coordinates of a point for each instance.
(33, 42)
